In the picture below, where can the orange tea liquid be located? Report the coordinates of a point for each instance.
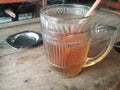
(68, 54)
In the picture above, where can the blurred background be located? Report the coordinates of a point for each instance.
(15, 10)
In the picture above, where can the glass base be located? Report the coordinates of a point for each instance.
(67, 72)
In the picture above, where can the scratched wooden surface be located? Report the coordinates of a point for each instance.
(27, 69)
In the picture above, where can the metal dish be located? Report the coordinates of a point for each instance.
(25, 39)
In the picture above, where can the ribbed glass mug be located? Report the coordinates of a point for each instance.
(67, 37)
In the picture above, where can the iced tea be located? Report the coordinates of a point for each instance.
(68, 54)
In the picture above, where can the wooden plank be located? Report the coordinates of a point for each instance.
(44, 3)
(112, 4)
(37, 11)
(14, 1)
(16, 23)
(110, 11)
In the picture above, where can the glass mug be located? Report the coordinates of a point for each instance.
(67, 37)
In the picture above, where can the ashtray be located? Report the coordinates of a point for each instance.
(117, 46)
(24, 39)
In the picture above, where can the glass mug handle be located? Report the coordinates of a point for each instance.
(113, 33)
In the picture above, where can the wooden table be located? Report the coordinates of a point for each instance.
(27, 69)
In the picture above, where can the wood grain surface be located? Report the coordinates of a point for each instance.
(14, 1)
(28, 69)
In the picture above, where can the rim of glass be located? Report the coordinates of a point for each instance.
(42, 10)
